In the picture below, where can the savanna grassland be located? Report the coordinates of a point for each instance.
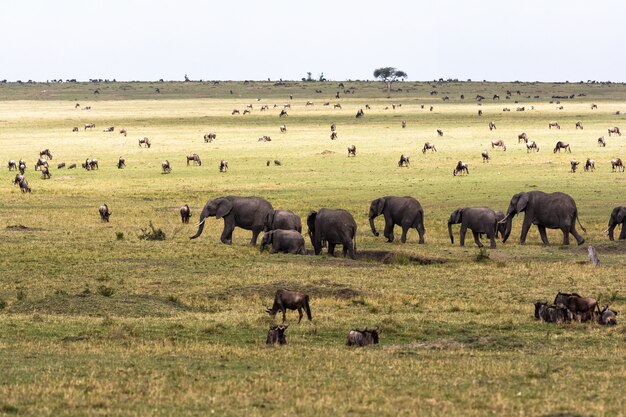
(96, 321)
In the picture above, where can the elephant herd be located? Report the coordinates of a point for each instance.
(331, 227)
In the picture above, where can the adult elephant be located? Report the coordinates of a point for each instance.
(618, 216)
(334, 227)
(480, 220)
(547, 211)
(245, 212)
(405, 212)
(282, 220)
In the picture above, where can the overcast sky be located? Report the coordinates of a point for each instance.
(499, 40)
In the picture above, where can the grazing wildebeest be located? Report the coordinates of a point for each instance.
(249, 106)
(579, 125)
(283, 112)
(439, 132)
(209, 137)
(333, 127)
(277, 162)
(18, 178)
(265, 138)
(506, 109)
(562, 145)
(104, 213)
(403, 124)
(601, 141)
(404, 161)
(552, 313)
(590, 165)
(594, 106)
(12, 165)
(560, 108)
(532, 146)
(195, 158)
(109, 129)
(90, 126)
(165, 167)
(367, 107)
(496, 97)
(24, 187)
(185, 213)
(498, 143)
(75, 129)
(283, 129)
(72, 166)
(145, 142)
(235, 111)
(480, 112)
(522, 138)
(607, 316)
(360, 113)
(461, 167)
(615, 130)
(292, 300)
(573, 165)
(351, 150)
(577, 305)
(45, 153)
(121, 163)
(363, 337)
(247, 111)
(333, 135)
(22, 167)
(276, 335)
(41, 162)
(485, 156)
(123, 131)
(287, 106)
(223, 165)
(337, 106)
(45, 173)
(520, 109)
(554, 124)
(492, 125)
(617, 164)
(428, 146)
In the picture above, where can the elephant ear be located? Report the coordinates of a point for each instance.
(268, 236)
(223, 208)
(621, 214)
(522, 202)
(456, 216)
(380, 206)
(269, 220)
(310, 220)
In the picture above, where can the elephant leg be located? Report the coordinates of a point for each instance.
(331, 249)
(227, 233)
(477, 239)
(542, 233)
(525, 228)
(492, 240)
(300, 313)
(462, 235)
(348, 249)
(622, 234)
(255, 235)
(565, 236)
(579, 239)
(405, 229)
(284, 313)
(389, 232)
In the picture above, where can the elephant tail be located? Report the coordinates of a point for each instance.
(307, 308)
(581, 226)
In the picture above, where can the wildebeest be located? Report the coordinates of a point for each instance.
(485, 156)
(480, 112)
(337, 106)
(72, 166)
(552, 313)
(283, 112)
(24, 187)
(439, 132)
(594, 106)
(574, 165)
(235, 111)
(351, 150)
(492, 125)
(403, 124)
(506, 109)
(75, 129)
(121, 162)
(223, 165)
(123, 131)
(145, 142)
(104, 213)
(577, 305)
(520, 109)
(45, 153)
(562, 145)
(45, 173)
(287, 106)
(461, 167)
(532, 146)
(292, 300)
(109, 129)
(404, 161)
(333, 127)
(185, 213)
(615, 130)
(276, 335)
(90, 126)
(498, 143)
(18, 178)
(195, 158)
(522, 138)
(590, 165)
(333, 135)
(607, 316)
(209, 137)
(283, 128)
(41, 162)
(617, 164)
(428, 146)
(247, 111)
(579, 125)
(601, 141)
(359, 113)
(12, 165)
(265, 138)
(554, 124)
(363, 337)
(90, 164)
(367, 107)
(277, 162)
(166, 167)
(61, 165)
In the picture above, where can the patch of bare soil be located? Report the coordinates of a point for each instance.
(388, 257)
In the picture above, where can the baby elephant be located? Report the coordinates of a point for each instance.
(607, 317)
(185, 213)
(292, 300)
(276, 334)
(479, 220)
(104, 213)
(362, 337)
(286, 241)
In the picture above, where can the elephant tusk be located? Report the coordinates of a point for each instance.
(504, 220)
(199, 223)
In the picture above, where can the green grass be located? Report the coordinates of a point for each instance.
(96, 321)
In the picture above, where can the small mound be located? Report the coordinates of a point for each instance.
(327, 152)
(22, 228)
(387, 257)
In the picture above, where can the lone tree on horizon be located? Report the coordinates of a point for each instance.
(388, 75)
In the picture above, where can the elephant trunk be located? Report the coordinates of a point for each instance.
(262, 247)
(373, 226)
(203, 217)
(611, 229)
(509, 225)
(450, 232)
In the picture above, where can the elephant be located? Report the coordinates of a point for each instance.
(618, 216)
(282, 219)
(479, 219)
(405, 212)
(547, 211)
(334, 227)
(286, 241)
(245, 212)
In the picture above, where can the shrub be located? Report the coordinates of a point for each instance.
(483, 255)
(151, 233)
(119, 235)
(105, 291)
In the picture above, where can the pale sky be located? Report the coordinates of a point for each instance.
(497, 40)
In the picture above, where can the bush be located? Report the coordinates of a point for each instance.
(3, 304)
(483, 255)
(152, 233)
(105, 291)
(119, 235)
